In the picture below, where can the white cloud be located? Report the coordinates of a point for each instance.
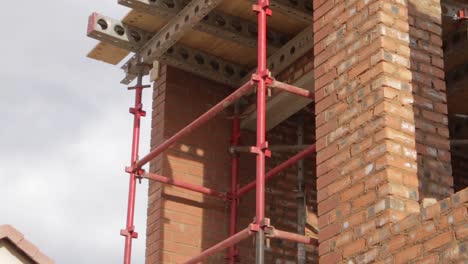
(66, 135)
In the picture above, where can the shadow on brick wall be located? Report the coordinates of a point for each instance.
(428, 88)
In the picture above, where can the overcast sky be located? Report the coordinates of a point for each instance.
(65, 134)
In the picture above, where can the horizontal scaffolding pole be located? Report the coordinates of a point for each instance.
(222, 245)
(184, 185)
(226, 102)
(291, 89)
(459, 142)
(276, 170)
(279, 148)
(275, 233)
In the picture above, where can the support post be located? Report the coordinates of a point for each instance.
(301, 201)
(137, 111)
(262, 9)
(234, 182)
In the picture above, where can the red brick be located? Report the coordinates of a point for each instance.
(328, 205)
(354, 248)
(364, 200)
(432, 259)
(408, 254)
(329, 232)
(461, 231)
(333, 257)
(438, 241)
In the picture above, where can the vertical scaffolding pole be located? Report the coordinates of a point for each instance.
(262, 10)
(301, 201)
(234, 182)
(137, 111)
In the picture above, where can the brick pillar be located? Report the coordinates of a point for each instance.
(182, 223)
(381, 125)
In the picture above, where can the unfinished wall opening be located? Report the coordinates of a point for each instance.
(455, 42)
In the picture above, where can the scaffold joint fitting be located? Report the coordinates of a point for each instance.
(138, 110)
(263, 6)
(265, 75)
(129, 232)
(139, 87)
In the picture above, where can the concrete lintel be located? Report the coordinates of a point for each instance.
(281, 106)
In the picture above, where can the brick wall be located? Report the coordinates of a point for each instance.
(181, 223)
(430, 101)
(439, 234)
(382, 137)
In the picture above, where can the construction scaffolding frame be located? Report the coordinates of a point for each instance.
(261, 226)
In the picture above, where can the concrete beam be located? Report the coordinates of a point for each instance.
(281, 106)
(119, 34)
(284, 105)
(221, 25)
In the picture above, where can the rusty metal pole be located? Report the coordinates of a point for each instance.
(301, 201)
(262, 9)
(137, 111)
(235, 137)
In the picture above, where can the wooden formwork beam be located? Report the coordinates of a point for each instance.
(219, 24)
(119, 34)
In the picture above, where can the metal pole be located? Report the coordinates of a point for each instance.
(262, 74)
(184, 185)
(195, 124)
(459, 142)
(273, 172)
(274, 148)
(129, 231)
(292, 89)
(222, 245)
(235, 137)
(301, 201)
(292, 237)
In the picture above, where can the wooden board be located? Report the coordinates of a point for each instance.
(279, 21)
(107, 53)
(144, 21)
(205, 42)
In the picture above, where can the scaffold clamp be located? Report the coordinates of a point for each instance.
(462, 16)
(137, 110)
(266, 75)
(264, 5)
(262, 149)
(130, 231)
(139, 87)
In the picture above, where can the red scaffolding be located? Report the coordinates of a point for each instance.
(261, 226)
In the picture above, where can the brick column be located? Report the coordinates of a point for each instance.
(182, 223)
(381, 125)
